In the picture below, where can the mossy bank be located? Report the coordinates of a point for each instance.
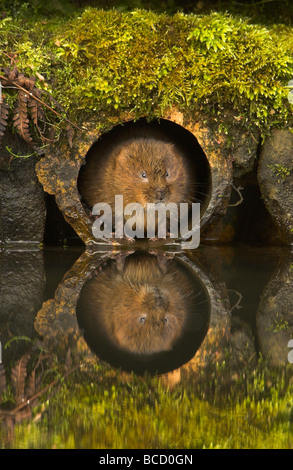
(102, 64)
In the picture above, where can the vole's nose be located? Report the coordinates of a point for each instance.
(160, 298)
(160, 194)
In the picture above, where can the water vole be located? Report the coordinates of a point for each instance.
(144, 168)
(142, 306)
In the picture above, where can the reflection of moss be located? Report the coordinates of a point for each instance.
(99, 408)
(103, 63)
(281, 171)
(279, 324)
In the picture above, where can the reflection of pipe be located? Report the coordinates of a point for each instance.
(57, 320)
(58, 172)
(219, 330)
(22, 203)
(274, 319)
(149, 314)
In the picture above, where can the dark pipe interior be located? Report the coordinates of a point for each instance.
(177, 135)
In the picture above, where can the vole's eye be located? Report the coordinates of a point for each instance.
(167, 174)
(165, 320)
(143, 174)
(142, 319)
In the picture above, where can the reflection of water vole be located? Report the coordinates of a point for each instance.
(144, 169)
(142, 307)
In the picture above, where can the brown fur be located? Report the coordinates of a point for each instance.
(118, 168)
(141, 290)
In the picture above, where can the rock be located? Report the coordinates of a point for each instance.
(22, 203)
(245, 151)
(275, 176)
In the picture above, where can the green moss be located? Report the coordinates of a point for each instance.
(97, 409)
(145, 63)
(103, 64)
(281, 171)
(279, 324)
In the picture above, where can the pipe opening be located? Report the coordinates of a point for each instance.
(146, 162)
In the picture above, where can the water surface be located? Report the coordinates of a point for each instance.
(233, 313)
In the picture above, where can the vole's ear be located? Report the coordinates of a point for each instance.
(124, 157)
(121, 158)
